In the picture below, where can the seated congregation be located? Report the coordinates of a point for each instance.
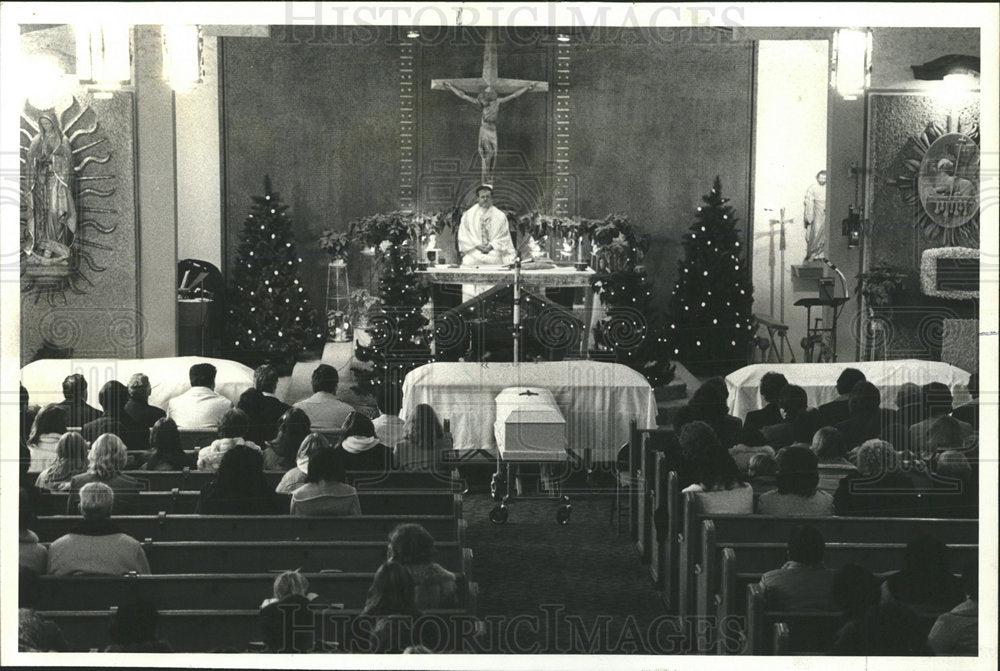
(88, 474)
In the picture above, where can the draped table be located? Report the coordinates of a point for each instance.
(597, 399)
(819, 380)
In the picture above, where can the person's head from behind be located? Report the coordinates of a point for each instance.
(293, 427)
(751, 437)
(165, 437)
(945, 433)
(74, 387)
(411, 544)
(107, 456)
(265, 378)
(908, 395)
(240, 470)
(234, 424)
(797, 471)
(926, 558)
(113, 397)
(828, 444)
(357, 425)
(973, 385)
(848, 378)
(139, 387)
(392, 591)
(290, 583)
(806, 545)
(326, 466)
(865, 399)
(875, 457)
(762, 466)
(202, 375)
(771, 384)
(310, 447)
(970, 579)
(72, 451)
(423, 427)
(793, 401)
(96, 501)
(50, 419)
(855, 590)
(719, 384)
(390, 396)
(707, 403)
(325, 378)
(709, 462)
(937, 399)
(134, 622)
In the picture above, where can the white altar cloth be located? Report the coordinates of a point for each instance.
(168, 377)
(819, 380)
(597, 399)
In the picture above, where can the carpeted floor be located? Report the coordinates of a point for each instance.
(574, 588)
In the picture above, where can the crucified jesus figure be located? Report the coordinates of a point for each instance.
(489, 103)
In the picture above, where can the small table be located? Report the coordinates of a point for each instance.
(813, 333)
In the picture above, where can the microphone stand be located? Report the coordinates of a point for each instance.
(517, 309)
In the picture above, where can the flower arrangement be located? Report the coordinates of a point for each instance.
(361, 304)
(399, 228)
(335, 244)
(882, 285)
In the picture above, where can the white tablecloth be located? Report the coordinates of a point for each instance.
(168, 377)
(819, 380)
(597, 400)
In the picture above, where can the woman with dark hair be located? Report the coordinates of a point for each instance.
(386, 624)
(239, 487)
(866, 419)
(43, 440)
(797, 480)
(435, 586)
(233, 429)
(709, 406)
(165, 446)
(280, 454)
(925, 583)
(71, 460)
(133, 629)
(713, 472)
(417, 451)
(361, 449)
(798, 422)
(262, 406)
(325, 492)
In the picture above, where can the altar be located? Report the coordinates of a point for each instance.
(531, 279)
(596, 399)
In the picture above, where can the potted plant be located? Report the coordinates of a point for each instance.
(882, 285)
(335, 245)
(361, 303)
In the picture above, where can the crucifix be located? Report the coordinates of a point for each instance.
(488, 93)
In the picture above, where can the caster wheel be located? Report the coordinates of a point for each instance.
(563, 513)
(499, 515)
(498, 487)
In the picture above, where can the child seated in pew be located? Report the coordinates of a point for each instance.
(325, 493)
(165, 448)
(803, 582)
(714, 472)
(133, 629)
(797, 480)
(434, 586)
(287, 612)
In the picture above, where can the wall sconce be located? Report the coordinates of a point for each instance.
(852, 62)
(103, 55)
(182, 65)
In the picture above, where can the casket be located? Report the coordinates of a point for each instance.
(529, 426)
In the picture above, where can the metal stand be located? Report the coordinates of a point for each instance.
(506, 488)
(815, 333)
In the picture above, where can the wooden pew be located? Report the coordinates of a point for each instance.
(799, 632)
(201, 590)
(729, 570)
(270, 556)
(176, 502)
(663, 560)
(217, 630)
(264, 527)
(763, 528)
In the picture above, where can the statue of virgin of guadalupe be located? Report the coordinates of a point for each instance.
(52, 219)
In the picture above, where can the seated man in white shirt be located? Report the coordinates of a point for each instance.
(199, 408)
(325, 410)
(388, 426)
(483, 238)
(97, 546)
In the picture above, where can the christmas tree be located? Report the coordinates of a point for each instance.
(711, 320)
(270, 317)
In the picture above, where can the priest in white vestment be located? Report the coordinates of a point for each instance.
(483, 238)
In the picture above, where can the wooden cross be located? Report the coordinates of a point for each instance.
(487, 93)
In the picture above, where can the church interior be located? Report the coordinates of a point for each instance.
(499, 339)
